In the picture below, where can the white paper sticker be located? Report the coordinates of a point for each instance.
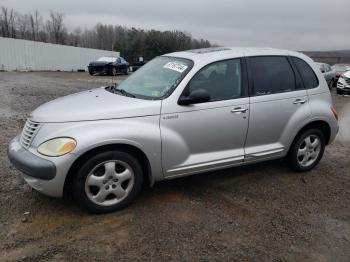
(176, 66)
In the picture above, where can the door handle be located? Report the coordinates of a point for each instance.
(299, 101)
(239, 110)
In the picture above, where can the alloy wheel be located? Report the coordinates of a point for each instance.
(309, 150)
(109, 183)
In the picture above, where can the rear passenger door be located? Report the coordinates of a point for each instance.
(278, 106)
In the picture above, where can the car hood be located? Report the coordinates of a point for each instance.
(96, 104)
(347, 74)
(99, 63)
(338, 73)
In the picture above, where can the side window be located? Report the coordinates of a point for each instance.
(328, 68)
(309, 77)
(271, 74)
(222, 80)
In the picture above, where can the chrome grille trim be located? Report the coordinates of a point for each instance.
(347, 80)
(28, 133)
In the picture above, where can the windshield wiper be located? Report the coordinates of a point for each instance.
(125, 93)
(115, 88)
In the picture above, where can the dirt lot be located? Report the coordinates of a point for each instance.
(263, 212)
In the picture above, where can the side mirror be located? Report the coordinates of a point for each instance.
(323, 71)
(195, 97)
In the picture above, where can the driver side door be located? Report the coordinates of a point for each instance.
(210, 135)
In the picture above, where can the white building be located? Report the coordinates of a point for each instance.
(24, 55)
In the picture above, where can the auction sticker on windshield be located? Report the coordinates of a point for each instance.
(176, 66)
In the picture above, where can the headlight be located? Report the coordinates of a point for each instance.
(57, 146)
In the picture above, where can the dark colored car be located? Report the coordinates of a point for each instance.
(137, 65)
(109, 65)
(340, 69)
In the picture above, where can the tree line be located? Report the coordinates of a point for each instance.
(130, 42)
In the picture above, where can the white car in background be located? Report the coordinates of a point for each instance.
(328, 73)
(343, 85)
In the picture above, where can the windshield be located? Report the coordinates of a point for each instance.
(109, 59)
(341, 67)
(158, 77)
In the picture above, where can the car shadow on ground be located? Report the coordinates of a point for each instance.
(197, 184)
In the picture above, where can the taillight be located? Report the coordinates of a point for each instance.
(335, 113)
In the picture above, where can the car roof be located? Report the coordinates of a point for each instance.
(216, 53)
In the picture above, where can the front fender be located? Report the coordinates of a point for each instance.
(140, 132)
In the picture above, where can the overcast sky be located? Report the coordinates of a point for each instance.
(294, 24)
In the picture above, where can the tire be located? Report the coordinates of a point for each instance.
(91, 72)
(334, 83)
(113, 71)
(331, 84)
(340, 92)
(302, 150)
(126, 72)
(100, 187)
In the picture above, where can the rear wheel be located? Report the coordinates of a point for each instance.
(306, 150)
(108, 182)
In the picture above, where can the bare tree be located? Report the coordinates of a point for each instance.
(56, 28)
(4, 22)
(131, 42)
(35, 21)
(22, 23)
(12, 23)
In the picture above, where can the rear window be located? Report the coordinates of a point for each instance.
(309, 77)
(271, 74)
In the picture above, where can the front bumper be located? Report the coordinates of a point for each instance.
(30, 164)
(44, 174)
(343, 85)
(98, 69)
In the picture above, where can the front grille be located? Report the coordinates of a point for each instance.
(347, 80)
(99, 69)
(28, 133)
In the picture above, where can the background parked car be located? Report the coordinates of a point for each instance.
(340, 69)
(109, 65)
(328, 73)
(136, 65)
(343, 85)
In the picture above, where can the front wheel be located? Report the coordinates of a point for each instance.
(306, 150)
(108, 181)
(113, 71)
(340, 92)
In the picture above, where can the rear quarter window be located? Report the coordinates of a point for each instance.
(307, 73)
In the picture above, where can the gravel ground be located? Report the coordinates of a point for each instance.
(263, 212)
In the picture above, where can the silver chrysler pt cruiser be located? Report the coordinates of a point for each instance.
(181, 114)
